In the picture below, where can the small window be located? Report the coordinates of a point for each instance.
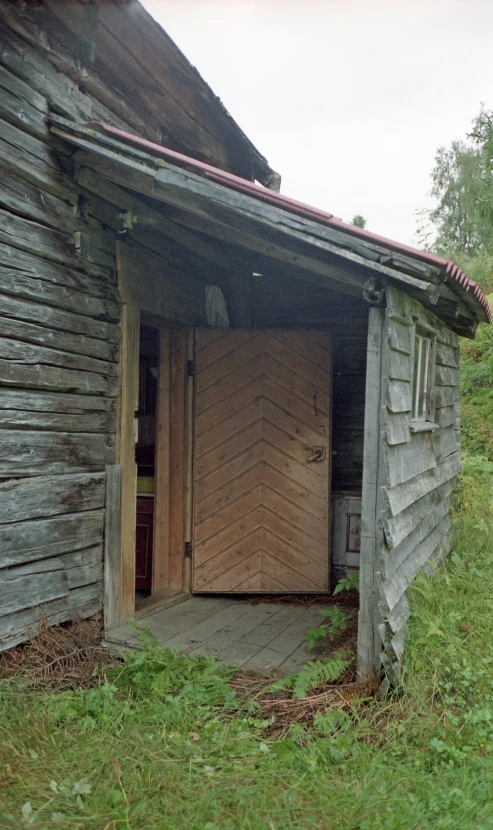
(423, 380)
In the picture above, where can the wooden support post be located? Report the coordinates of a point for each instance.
(369, 645)
(112, 546)
(187, 583)
(177, 459)
(160, 568)
(128, 404)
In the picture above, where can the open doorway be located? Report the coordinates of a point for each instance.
(145, 459)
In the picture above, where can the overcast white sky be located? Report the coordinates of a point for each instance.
(348, 99)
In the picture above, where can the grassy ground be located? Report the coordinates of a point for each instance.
(163, 744)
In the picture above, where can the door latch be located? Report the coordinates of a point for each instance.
(318, 454)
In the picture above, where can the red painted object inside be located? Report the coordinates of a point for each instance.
(143, 543)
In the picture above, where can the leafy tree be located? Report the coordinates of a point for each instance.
(459, 179)
(359, 221)
(462, 221)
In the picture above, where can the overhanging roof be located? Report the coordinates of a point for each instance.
(237, 210)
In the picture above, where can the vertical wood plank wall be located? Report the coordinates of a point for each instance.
(419, 468)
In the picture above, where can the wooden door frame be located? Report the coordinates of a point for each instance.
(170, 475)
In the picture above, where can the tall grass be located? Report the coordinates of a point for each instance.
(162, 744)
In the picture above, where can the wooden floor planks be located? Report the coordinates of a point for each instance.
(264, 637)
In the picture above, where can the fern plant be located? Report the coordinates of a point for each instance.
(313, 674)
(316, 672)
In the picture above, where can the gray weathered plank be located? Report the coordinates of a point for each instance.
(408, 460)
(55, 378)
(226, 636)
(286, 642)
(399, 365)
(445, 416)
(83, 567)
(445, 441)
(46, 496)
(398, 528)
(112, 545)
(251, 643)
(22, 542)
(38, 204)
(206, 628)
(396, 556)
(393, 587)
(30, 157)
(398, 396)
(54, 402)
(24, 274)
(36, 409)
(447, 355)
(21, 353)
(396, 426)
(65, 321)
(54, 245)
(17, 107)
(31, 591)
(444, 396)
(446, 376)
(173, 621)
(63, 93)
(399, 306)
(446, 336)
(401, 496)
(80, 603)
(31, 453)
(398, 615)
(399, 336)
(14, 328)
(57, 422)
(368, 639)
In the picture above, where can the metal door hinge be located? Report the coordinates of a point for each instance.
(191, 368)
(188, 550)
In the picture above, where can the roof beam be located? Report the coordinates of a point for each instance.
(242, 220)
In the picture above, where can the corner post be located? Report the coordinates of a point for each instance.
(369, 643)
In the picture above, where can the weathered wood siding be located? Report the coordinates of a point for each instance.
(60, 320)
(419, 467)
(59, 342)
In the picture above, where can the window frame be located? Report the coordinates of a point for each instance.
(424, 419)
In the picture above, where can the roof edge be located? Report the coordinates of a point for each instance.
(454, 275)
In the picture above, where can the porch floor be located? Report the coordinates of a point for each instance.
(263, 636)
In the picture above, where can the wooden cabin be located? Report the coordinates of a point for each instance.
(207, 388)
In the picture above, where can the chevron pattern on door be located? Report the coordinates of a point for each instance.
(261, 461)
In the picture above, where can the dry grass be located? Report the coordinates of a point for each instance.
(61, 657)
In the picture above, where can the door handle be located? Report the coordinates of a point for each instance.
(318, 454)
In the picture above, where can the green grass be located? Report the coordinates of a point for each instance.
(164, 744)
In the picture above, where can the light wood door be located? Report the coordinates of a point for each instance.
(261, 461)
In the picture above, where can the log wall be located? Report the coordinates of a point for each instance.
(418, 468)
(60, 321)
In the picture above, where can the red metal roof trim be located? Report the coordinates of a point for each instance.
(259, 192)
